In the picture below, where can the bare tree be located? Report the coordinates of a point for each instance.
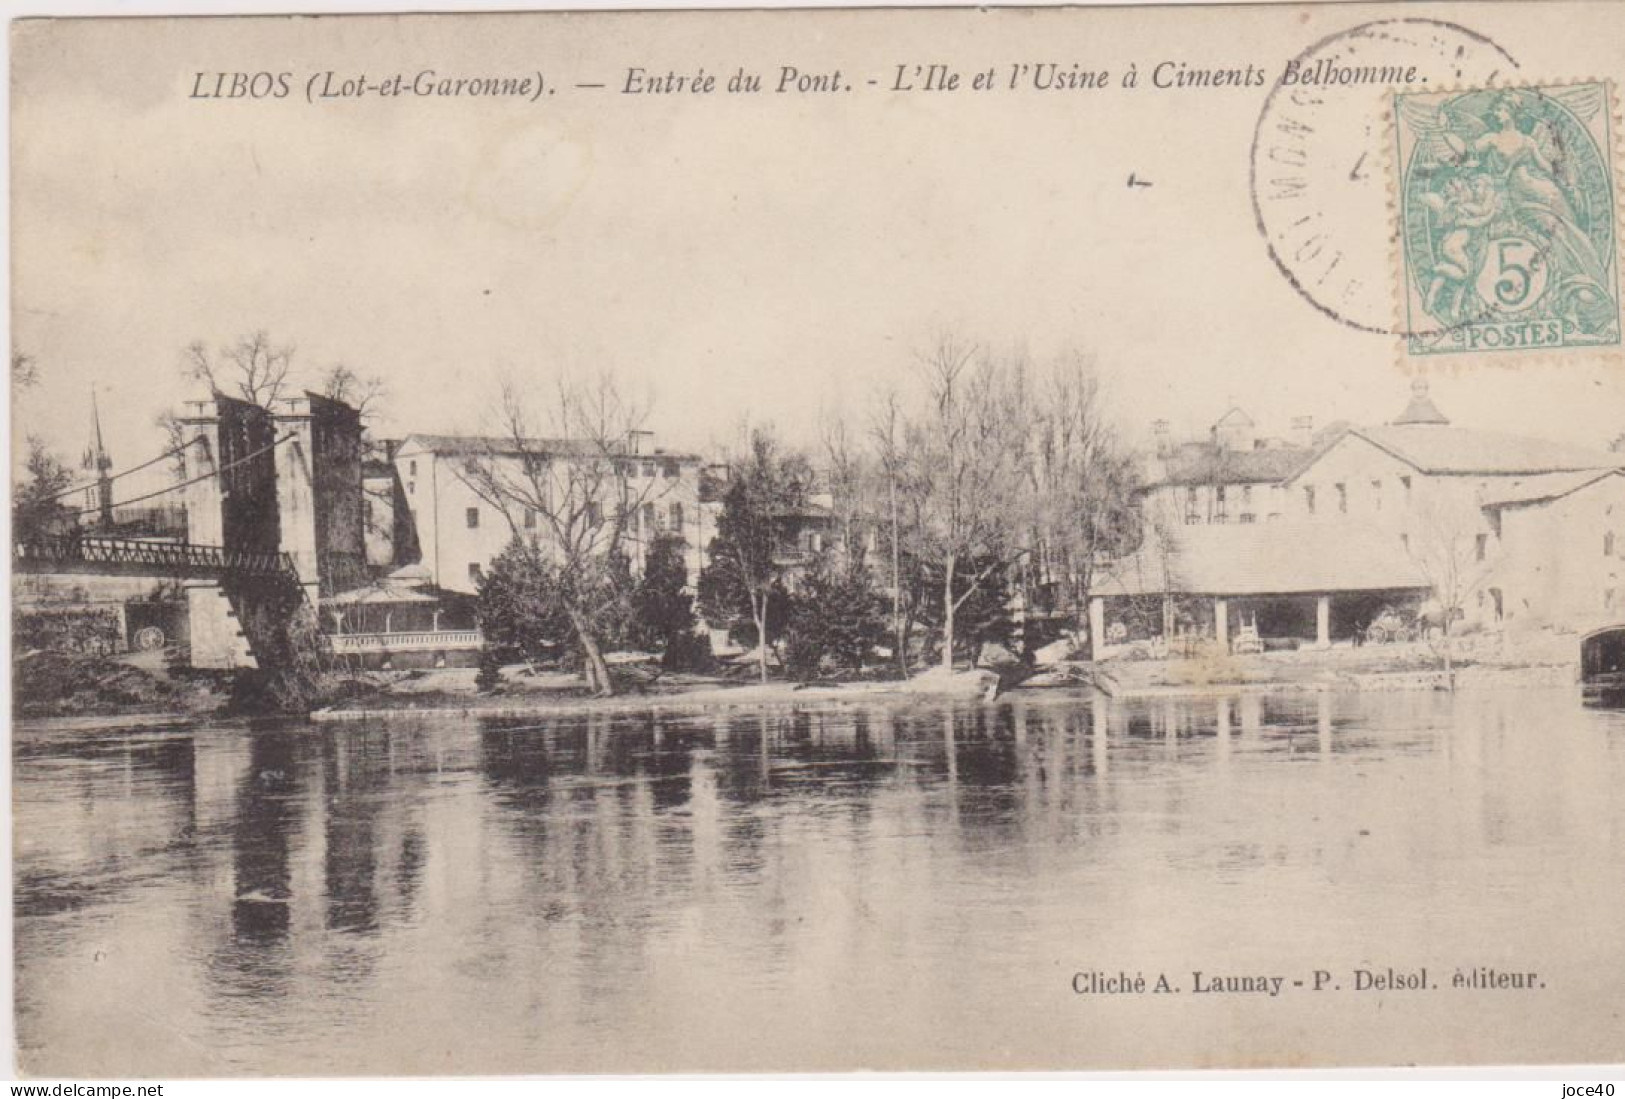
(1081, 481)
(1450, 549)
(851, 480)
(364, 393)
(174, 441)
(576, 493)
(37, 508)
(1156, 567)
(886, 430)
(967, 450)
(252, 368)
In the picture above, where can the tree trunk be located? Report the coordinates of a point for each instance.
(593, 664)
(948, 614)
(899, 626)
(760, 607)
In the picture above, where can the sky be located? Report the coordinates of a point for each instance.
(768, 258)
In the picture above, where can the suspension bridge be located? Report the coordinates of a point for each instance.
(142, 530)
(229, 511)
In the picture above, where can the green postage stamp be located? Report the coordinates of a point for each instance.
(1508, 219)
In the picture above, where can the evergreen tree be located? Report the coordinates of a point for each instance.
(519, 608)
(663, 618)
(742, 587)
(837, 615)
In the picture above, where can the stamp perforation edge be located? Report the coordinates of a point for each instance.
(1541, 356)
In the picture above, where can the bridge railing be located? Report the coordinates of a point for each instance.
(100, 550)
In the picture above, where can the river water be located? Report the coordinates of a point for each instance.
(824, 887)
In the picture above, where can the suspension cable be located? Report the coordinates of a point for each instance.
(170, 453)
(192, 481)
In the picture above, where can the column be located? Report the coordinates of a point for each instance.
(200, 429)
(1097, 627)
(295, 491)
(1221, 623)
(1323, 622)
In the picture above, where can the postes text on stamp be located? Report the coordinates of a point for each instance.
(1507, 219)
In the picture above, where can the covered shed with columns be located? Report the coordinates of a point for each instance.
(1294, 584)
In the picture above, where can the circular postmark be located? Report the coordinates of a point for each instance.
(1320, 193)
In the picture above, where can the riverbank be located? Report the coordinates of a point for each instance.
(49, 686)
(57, 686)
(1378, 668)
(1479, 661)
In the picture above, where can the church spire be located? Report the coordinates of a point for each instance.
(103, 465)
(1421, 409)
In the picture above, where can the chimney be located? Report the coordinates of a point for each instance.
(1303, 431)
(634, 440)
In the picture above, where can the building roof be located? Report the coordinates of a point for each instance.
(1442, 449)
(475, 445)
(1277, 558)
(380, 594)
(1543, 487)
(1205, 464)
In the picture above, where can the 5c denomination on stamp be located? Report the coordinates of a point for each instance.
(1507, 218)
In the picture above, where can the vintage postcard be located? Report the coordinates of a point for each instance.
(818, 540)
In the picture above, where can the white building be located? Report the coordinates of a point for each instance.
(1525, 527)
(1495, 528)
(460, 529)
(1235, 475)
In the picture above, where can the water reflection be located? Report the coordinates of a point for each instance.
(444, 895)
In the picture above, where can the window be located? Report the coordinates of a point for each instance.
(595, 513)
(1405, 483)
(475, 573)
(648, 469)
(1309, 498)
(649, 518)
(472, 517)
(411, 488)
(1405, 541)
(1218, 504)
(668, 469)
(1192, 513)
(530, 518)
(1342, 497)
(677, 516)
(1608, 544)
(1481, 546)
(1376, 495)
(412, 467)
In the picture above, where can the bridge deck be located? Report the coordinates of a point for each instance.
(89, 553)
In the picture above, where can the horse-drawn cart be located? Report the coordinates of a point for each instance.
(1391, 626)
